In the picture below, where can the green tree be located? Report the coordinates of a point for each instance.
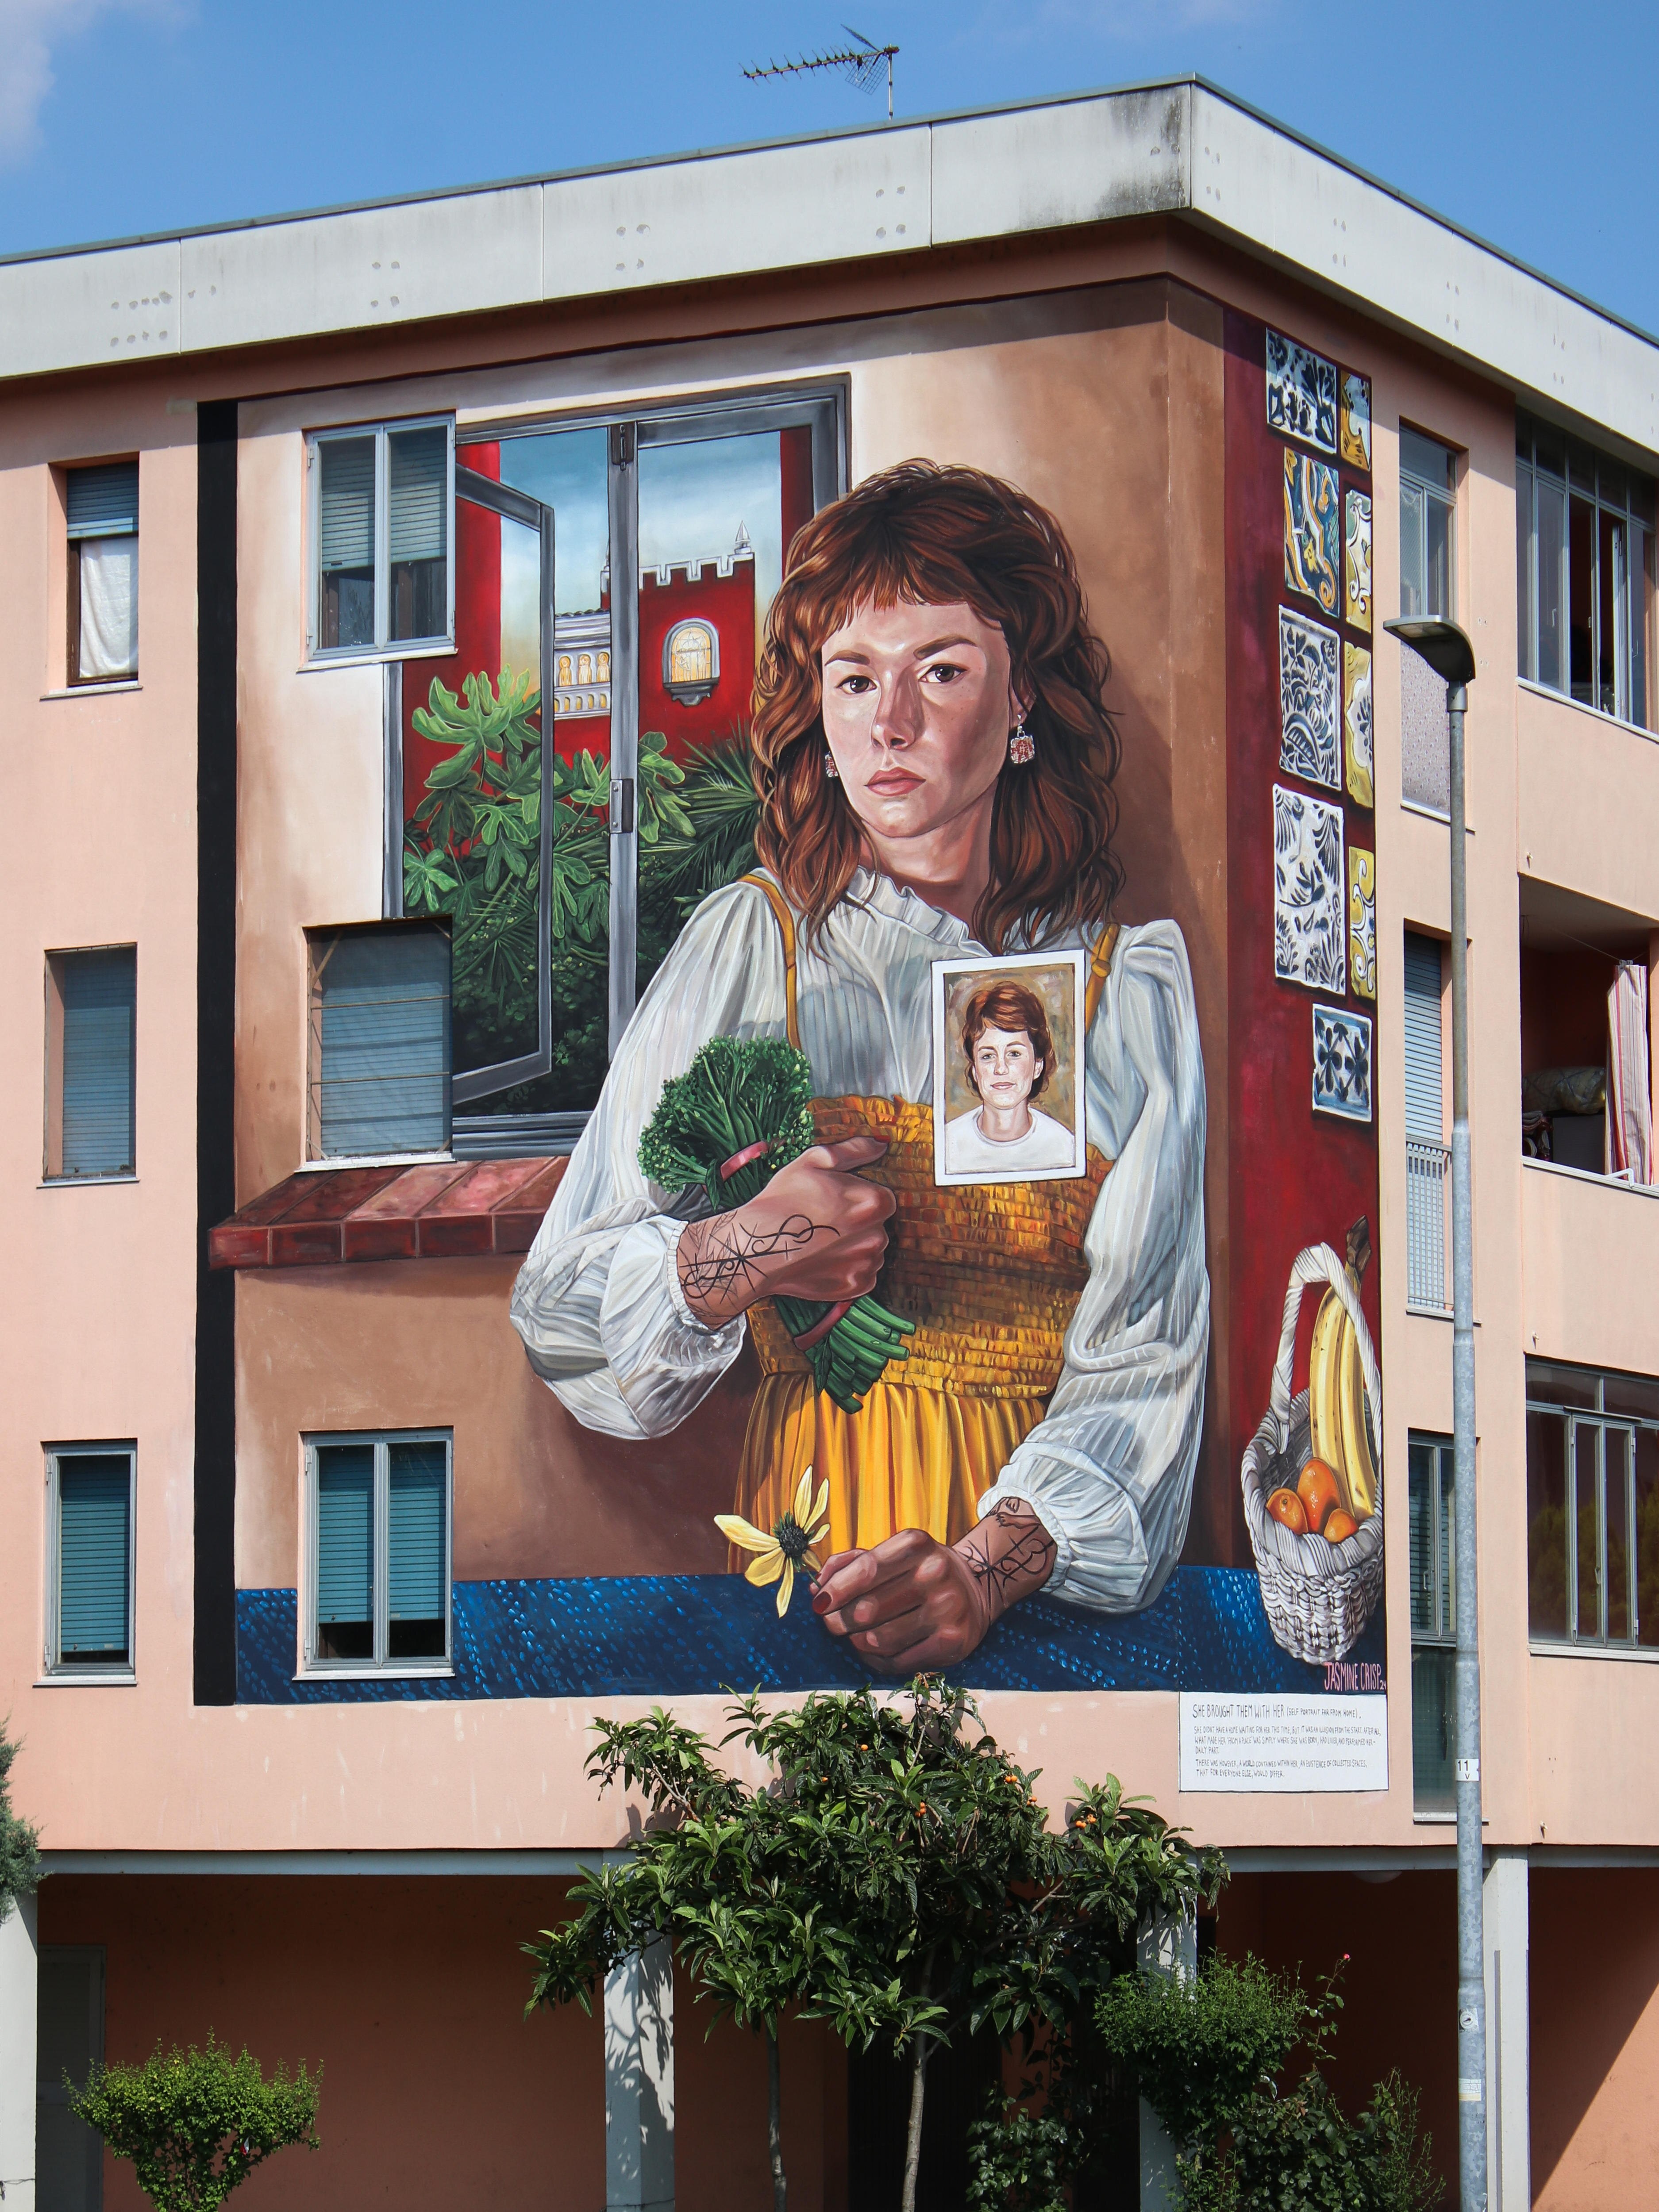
(894, 1873)
(19, 1844)
(195, 2123)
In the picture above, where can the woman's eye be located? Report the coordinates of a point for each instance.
(942, 671)
(857, 684)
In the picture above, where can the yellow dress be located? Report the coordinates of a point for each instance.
(990, 1273)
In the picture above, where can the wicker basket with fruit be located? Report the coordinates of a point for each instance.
(1312, 1491)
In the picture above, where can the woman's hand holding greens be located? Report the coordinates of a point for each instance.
(818, 1230)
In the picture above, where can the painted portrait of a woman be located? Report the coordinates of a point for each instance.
(934, 765)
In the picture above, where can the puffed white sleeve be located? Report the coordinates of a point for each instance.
(598, 1301)
(1109, 1469)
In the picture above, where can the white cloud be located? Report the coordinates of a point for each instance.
(30, 31)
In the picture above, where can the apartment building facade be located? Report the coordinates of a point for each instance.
(340, 970)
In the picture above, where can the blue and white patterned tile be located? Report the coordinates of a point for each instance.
(1313, 530)
(1309, 700)
(1358, 571)
(1342, 1063)
(1309, 892)
(1302, 393)
(1356, 725)
(1355, 435)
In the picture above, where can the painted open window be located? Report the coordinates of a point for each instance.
(575, 777)
(90, 1561)
(378, 1519)
(382, 531)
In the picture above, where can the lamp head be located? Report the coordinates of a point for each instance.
(1442, 644)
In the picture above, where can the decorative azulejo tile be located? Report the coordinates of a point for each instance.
(1342, 1063)
(1357, 724)
(1356, 431)
(1309, 892)
(1313, 530)
(1302, 393)
(1310, 738)
(1362, 922)
(1358, 609)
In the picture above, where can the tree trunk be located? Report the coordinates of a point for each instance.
(775, 2122)
(913, 2138)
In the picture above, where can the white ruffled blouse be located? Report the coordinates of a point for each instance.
(1109, 1469)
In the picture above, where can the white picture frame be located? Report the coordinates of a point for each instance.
(1053, 1148)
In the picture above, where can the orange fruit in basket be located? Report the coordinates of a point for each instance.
(1320, 1491)
(1337, 1524)
(1284, 1506)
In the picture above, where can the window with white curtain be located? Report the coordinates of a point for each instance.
(101, 505)
(378, 1531)
(382, 508)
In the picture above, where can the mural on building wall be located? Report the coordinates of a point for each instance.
(894, 1188)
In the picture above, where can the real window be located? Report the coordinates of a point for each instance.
(1426, 1157)
(1434, 1621)
(69, 2158)
(1592, 1507)
(378, 1520)
(90, 1521)
(379, 1040)
(1584, 573)
(101, 505)
(1428, 524)
(382, 528)
(619, 570)
(91, 1062)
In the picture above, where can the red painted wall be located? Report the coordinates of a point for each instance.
(727, 604)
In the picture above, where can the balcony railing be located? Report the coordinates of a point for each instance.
(1427, 1191)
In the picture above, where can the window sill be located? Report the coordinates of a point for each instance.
(100, 691)
(1590, 1176)
(1448, 1819)
(80, 1182)
(88, 1678)
(1429, 1313)
(1429, 813)
(1644, 1655)
(345, 1160)
(1566, 699)
(409, 1674)
(431, 649)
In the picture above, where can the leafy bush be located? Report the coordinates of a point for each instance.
(195, 2123)
(20, 1853)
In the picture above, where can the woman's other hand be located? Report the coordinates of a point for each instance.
(912, 1603)
(818, 1230)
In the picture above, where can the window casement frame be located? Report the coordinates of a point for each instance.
(1445, 497)
(324, 938)
(385, 646)
(380, 1668)
(1596, 1642)
(1530, 471)
(73, 680)
(1444, 1636)
(54, 1667)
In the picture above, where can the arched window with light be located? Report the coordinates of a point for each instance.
(691, 662)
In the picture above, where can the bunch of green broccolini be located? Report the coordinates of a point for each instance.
(758, 1090)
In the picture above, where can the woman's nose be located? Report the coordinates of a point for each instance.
(898, 718)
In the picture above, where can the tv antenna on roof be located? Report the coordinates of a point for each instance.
(860, 64)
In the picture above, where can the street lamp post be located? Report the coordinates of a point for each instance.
(1448, 652)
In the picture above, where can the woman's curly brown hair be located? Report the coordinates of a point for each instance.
(929, 534)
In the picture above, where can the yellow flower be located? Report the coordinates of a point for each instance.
(787, 1546)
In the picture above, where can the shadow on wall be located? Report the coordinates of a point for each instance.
(1594, 2027)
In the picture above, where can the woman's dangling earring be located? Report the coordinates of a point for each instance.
(830, 769)
(1021, 745)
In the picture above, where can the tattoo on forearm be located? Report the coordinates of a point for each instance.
(724, 1265)
(1013, 1550)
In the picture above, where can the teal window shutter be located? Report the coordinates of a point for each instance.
(383, 1042)
(95, 1512)
(103, 502)
(346, 504)
(418, 502)
(98, 992)
(416, 1544)
(1425, 1099)
(345, 1533)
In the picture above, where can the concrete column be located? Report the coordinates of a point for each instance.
(639, 2084)
(1165, 1946)
(1509, 2091)
(19, 2001)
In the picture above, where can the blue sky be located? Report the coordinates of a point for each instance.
(1525, 122)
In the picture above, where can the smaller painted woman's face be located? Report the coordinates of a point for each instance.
(1005, 1066)
(917, 708)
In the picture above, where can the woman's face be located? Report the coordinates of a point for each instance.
(1005, 1066)
(917, 708)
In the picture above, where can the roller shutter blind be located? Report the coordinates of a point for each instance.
(383, 1042)
(103, 502)
(346, 503)
(345, 1531)
(1424, 1093)
(94, 1507)
(417, 494)
(416, 1545)
(98, 992)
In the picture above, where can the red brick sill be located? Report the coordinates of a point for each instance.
(449, 1210)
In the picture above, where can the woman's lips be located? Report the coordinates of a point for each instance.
(892, 782)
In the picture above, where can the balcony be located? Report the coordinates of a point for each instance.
(1586, 1095)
